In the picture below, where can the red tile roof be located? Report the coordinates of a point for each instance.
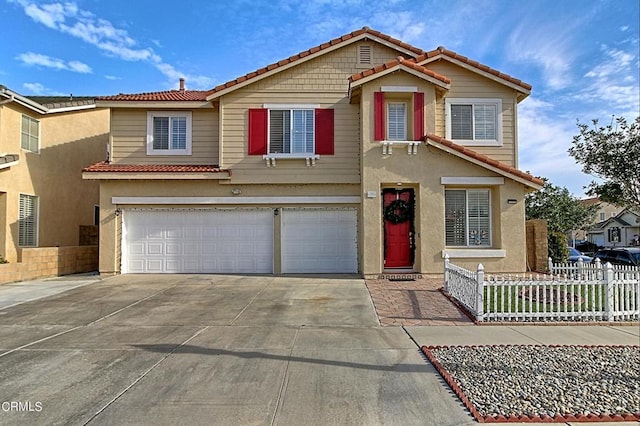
(394, 63)
(437, 140)
(314, 50)
(103, 166)
(169, 95)
(453, 55)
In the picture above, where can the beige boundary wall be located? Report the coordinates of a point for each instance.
(44, 262)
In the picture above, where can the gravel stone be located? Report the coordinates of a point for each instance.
(546, 380)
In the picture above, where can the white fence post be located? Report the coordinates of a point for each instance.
(550, 265)
(609, 301)
(480, 293)
(446, 273)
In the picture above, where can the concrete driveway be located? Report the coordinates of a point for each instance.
(210, 349)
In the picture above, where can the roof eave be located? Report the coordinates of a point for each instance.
(153, 104)
(534, 186)
(303, 59)
(405, 68)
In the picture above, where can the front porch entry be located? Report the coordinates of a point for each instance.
(398, 206)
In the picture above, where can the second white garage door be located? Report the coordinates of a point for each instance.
(198, 241)
(319, 241)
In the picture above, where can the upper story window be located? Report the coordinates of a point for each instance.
(467, 217)
(30, 134)
(280, 130)
(474, 121)
(168, 133)
(291, 131)
(394, 120)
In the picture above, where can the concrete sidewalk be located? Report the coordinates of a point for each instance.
(12, 294)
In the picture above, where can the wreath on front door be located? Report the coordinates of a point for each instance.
(398, 211)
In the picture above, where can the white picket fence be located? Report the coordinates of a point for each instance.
(571, 292)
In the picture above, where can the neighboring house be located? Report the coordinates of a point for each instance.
(44, 144)
(362, 155)
(620, 230)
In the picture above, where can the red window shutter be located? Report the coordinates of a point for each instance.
(418, 116)
(258, 119)
(324, 131)
(379, 133)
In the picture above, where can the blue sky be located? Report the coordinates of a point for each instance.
(581, 56)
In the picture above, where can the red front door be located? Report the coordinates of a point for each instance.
(398, 250)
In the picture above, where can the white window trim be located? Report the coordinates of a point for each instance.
(474, 101)
(388, 124)
(37, 150)
(37, 221)
(288, 155)
(151, 115)
(399, 89)
(469, 246)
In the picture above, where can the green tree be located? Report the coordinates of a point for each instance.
(611, 154)
(563, 212)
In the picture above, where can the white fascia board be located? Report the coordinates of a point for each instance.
(473, 253)
(71, 108)
(471, 180)
(236, 200)
(411, 71)
(153, 176)
(291, 106)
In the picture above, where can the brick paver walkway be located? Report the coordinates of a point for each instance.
(418, 302)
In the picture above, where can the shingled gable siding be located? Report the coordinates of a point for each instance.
(322, 81)
(129, 138)
(466, 84)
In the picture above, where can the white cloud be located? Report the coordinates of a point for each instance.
(39, 90)
(544, 138)
(37, 59)
(613, 84)
(67, 18)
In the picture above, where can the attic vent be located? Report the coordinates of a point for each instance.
(364, 55)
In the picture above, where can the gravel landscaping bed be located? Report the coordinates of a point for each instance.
(534, 383)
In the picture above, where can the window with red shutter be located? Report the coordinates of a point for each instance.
(284, 131)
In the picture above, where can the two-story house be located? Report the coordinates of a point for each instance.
(362, 155)
(44, 144)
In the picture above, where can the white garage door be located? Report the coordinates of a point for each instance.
(198, 241)
(319, 241)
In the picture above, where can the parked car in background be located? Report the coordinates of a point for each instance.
(586, 247)
(575, 255)
(627, 256)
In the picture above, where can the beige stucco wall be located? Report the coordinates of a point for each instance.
(423, 173)
(68, 142)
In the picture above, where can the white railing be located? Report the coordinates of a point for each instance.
(573, 292)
